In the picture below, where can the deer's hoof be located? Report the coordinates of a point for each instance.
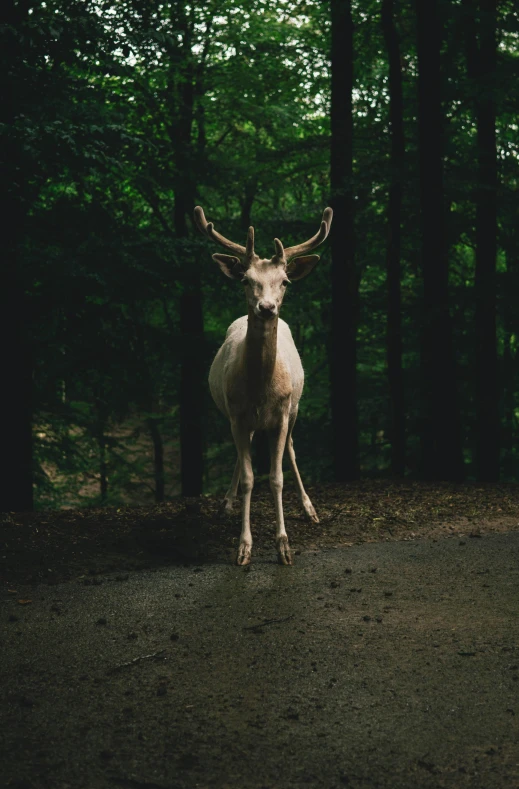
(310, 512)
(244, 554)
(284, 552)
(226, 507)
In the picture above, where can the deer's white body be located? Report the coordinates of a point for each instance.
(257, 378)
(226, 365)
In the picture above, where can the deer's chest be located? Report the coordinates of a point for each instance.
(260, 401)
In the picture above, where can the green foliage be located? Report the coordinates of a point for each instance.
(96, 151)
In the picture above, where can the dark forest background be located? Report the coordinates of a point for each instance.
(119, 117)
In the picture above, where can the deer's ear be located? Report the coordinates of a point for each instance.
(300, 267)
(231, 266)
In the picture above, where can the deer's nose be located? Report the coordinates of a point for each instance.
(267, 308)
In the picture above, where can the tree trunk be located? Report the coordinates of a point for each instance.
(247, 201)
(441, 449)
(192, 385)
(193, 382)
(487, 384)
(103, 466)
(16, 483)
(394, 312)
(16, 349)
(158, 459)
(345, 281)
(509, 391)
(510, 357)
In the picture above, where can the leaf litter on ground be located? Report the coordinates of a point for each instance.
(55, 546)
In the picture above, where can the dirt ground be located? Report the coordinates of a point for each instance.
(55, 546)
(135, 654)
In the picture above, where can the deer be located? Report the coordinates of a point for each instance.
(256, 379)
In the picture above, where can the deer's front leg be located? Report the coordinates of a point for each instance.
(278, 439)
(242, 439)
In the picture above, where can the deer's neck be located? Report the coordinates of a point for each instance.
(260, 353)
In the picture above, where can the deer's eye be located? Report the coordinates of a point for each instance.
(285, 282)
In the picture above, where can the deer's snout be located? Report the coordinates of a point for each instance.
(267, 309)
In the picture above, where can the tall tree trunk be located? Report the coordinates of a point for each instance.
(262, 452)
(103, 465)
(192, 383)
(487, 385)
(158, 459)
(394, 311)
(441, 449)
(16, 480)
(510, 375)
(509, 378)
(345, 280)
(247, 201)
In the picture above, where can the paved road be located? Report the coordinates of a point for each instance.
(382, 665)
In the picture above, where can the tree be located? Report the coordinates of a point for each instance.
(120, 117)
(169, 85)
(394, 210)
(481, 66)
(440, 428)
(345, 280)
(41, 125)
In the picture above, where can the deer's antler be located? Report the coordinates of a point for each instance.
(312, 243)
(207, 228)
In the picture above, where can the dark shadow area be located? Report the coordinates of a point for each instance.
(56, 546)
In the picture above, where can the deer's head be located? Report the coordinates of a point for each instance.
(265, 279)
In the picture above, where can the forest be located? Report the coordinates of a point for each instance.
(120, 116)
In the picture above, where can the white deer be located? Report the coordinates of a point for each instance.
(256, 379)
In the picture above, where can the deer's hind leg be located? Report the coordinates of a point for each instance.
(228, 502)
(307, 505)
